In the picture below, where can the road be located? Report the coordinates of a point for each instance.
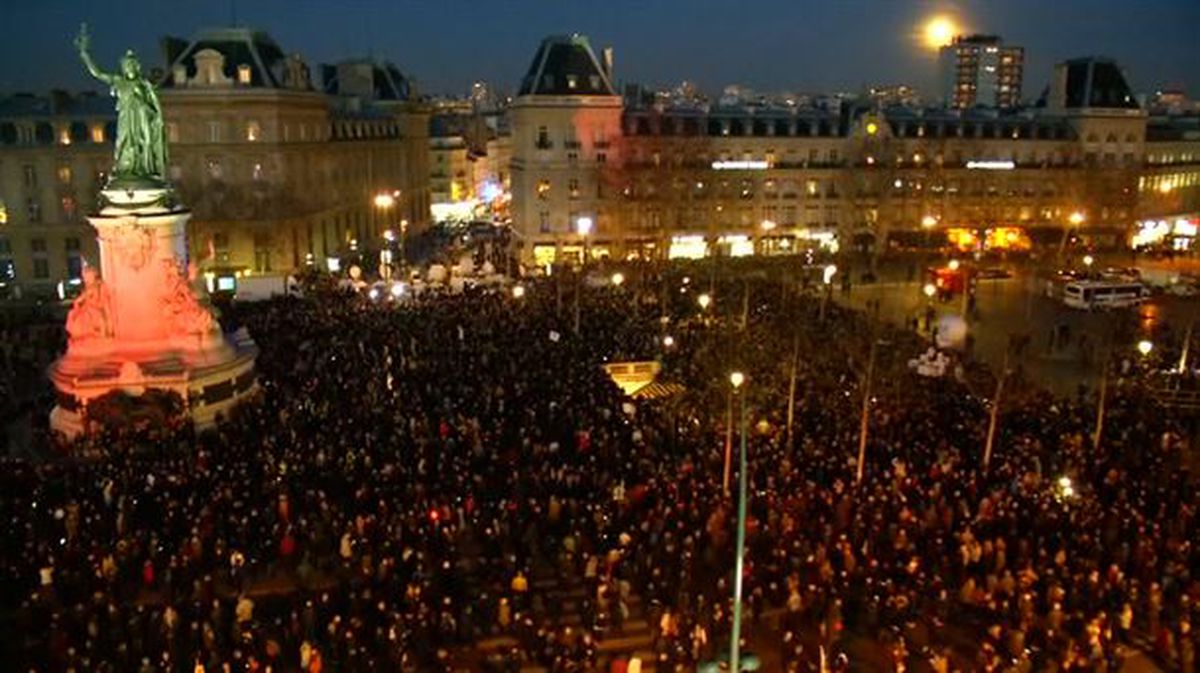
(1017, 306)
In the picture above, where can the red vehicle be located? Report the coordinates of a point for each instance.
(948, 281)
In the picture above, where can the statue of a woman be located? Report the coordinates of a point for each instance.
(140, 157)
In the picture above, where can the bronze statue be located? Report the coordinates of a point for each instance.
(140, 156)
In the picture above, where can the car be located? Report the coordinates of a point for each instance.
(993, 273)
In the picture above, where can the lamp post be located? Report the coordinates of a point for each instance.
(1076, 218)
(736, 379)
(865, 420)
(827, 277)
(583, 226)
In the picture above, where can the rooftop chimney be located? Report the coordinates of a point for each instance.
(608, 63)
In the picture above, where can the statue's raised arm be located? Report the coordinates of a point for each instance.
(83, 42)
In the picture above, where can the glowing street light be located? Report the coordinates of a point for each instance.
(1165, 187)
(736, 379)
(929, 290)
(954, 264)
(668, 341)
(584, 225)
(518, 291)
(384, 200)
(828, 273)
(939, 31)
(1076, 218)
(705, 299)
(1088, 260)
(397, 290)
(389, 235)
(1145, 346)
(617, 279)
(768, 225)
(929, 221)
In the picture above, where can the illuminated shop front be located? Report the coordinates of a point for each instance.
(1177, 234)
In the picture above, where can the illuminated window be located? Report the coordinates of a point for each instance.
(812, 188)
(253, 131)
(3, 212)
(97, 133)
(257, 173)
(543, 189)
(572, 81)
(68, 208)
(64, 174)
(243, 74)
(64, 136)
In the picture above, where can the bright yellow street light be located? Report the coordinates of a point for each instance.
(668, 341)
(929, 221)
(929, 290)
(518, 291)
(1088, 260)
(384, 200)
(954, 264)
(736, 379)
(1165, 187)
(618, 278)
(704, 300)
(830, 270)
(1076, 218)
(1144, 347)
(939, 31)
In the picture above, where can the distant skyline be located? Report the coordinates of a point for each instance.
(768, 45)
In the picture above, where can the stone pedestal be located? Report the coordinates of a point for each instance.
(140, 325)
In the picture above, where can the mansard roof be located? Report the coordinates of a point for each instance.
(1097, 82)
(566, 65)
(239, 46)
(385, 81)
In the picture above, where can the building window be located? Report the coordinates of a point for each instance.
(257, 173)
(601, 157)
(69, 208)
(74, 267)
(64, 174)
(544, 222)
(243, 74)
(30, 176)
(71, 243)
(97, 133)
(41, 267)
(573, 188)
(214, 132)
(34, 210)
(812, 188)
(833, 156)
(37, 245)
(262, 253)
(572, 157)
(64, 136)
(253, 131)
(214, 168)
(543, 138)
(543, 189)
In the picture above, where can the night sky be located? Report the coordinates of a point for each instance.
(800, 45)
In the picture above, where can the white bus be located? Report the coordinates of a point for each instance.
(1092, 294)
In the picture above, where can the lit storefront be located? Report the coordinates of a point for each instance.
(1178, 234)
(688, 247)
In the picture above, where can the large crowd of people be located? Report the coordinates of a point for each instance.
(408, 466)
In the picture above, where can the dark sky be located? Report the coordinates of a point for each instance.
(766, 44)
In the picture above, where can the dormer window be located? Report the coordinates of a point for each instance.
(243, 74)
(594, 80)
(572, 81)
(253, 131)
(97, 133)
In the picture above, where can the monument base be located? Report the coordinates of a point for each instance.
(209, 382)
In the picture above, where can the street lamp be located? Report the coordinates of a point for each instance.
(929, 290)
(954, 264)
(929, 221)
(1144, 347)
(705, 299)
(827, 277)
(518, 291)
(1076, 218)
(1087, 261)
(617, 279)
(668, 341)
(584, 225)
(737, 379)
(384, 200)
